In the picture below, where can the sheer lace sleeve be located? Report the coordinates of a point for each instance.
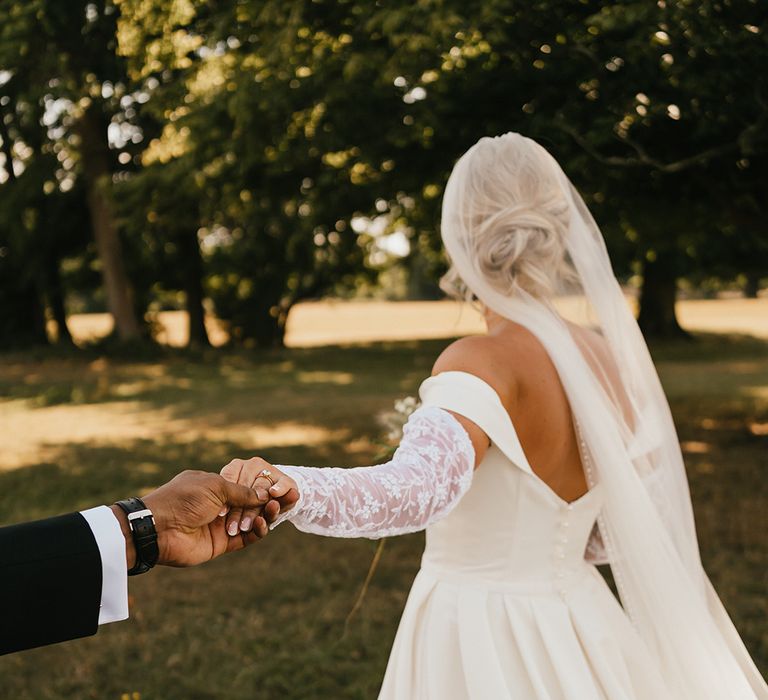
(428, 474)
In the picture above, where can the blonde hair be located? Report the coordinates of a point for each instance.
(517, 217)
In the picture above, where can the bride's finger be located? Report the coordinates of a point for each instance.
(236, 520)
(289, 500)
(255, 474)
(249, 515)
(232, 470)
(283, 485)
(233, 522)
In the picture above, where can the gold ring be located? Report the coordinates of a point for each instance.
(267, 475)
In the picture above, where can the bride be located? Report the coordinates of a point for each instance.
(539, 450)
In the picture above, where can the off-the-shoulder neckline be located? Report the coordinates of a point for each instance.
(510, 424)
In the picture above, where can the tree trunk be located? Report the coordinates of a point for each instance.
(421, 282)
(22, 322)
(657, 318)
(193, 289)
(56, 300)
(268, 330)
(7, 148)
(98, 182)
(752, 286)
(257, 326)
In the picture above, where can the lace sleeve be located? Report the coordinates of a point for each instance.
(428, 474)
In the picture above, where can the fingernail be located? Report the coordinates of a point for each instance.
(232, 529)
(222, 512)
(246, 524)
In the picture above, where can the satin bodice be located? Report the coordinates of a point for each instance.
(510, 529)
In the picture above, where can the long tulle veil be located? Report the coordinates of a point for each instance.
(646, 524)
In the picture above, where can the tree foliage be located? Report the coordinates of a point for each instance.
(261, 152)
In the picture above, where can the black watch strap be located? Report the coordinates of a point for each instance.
(142, 524)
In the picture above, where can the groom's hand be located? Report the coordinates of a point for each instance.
(189, 517)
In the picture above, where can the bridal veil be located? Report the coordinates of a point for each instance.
(550, 272)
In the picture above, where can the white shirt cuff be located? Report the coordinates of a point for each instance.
(114, 570)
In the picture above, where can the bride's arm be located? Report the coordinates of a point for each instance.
(426, 477)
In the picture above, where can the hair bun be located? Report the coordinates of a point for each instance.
(517, 217)
(523, 246)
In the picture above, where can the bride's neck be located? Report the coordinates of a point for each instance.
(493, 321)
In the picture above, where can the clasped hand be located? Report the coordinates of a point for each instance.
(278, 490)
(199, 516)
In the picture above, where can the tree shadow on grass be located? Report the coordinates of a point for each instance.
(726, 456)
(263, 386)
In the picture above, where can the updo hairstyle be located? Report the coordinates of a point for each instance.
(516, 215)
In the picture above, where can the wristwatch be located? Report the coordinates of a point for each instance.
(142, 525)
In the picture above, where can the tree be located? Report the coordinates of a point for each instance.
(278, 124)
(160, 211)
(64, 69)
(40, 225)
(274, 215)
(669, 103)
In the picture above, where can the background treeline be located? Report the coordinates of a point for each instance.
(243, 155)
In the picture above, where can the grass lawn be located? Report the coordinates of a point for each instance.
(79, 430)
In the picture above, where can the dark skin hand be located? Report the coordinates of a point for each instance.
(190, 517)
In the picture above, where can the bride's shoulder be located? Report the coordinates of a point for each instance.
(485, 357)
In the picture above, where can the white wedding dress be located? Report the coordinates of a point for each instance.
(505, 605)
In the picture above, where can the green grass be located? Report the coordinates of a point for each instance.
(269, 622)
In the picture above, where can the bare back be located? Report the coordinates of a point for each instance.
(513, 361)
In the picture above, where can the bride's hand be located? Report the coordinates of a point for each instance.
(268, 482)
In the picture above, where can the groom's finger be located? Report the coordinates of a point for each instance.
(260, 528)
(240, 496)
(235, 544)
(231, 472)
(271, 511)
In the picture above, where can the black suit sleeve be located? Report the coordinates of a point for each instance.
(50, 582)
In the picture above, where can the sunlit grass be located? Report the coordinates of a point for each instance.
(318, 323)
